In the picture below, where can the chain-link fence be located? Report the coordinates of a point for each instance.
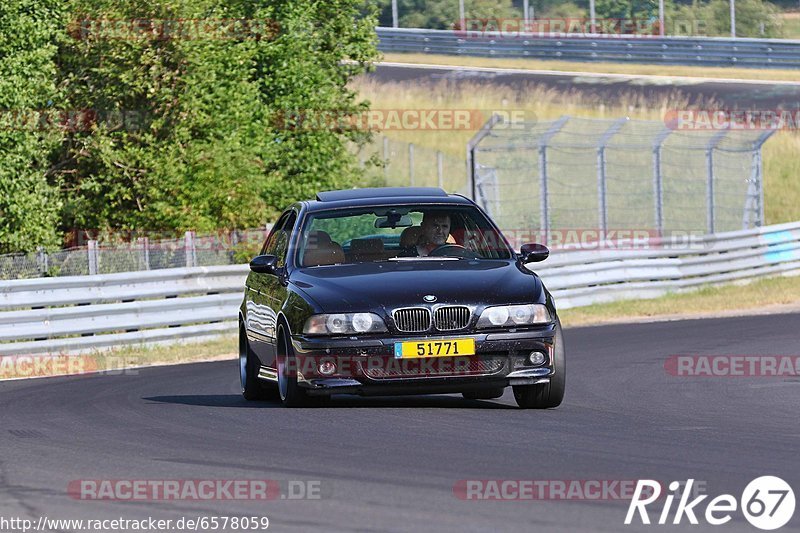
(409, 164)
(618, 174)
(571, 173)
(138, 253)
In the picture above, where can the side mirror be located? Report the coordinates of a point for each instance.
(264, 264)
(533, 253)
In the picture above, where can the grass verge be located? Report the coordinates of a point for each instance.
(123, 361)
(631, 69)
(766, 295)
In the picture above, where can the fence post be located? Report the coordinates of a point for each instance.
(191, 250)
(544, 201)
(760, 173)
(385, 157)
(440, 168)
(601, 173)
(411, 164)
(472, 145)
(94, 259)
(658, 180)
(715, 140)
(42, 260)
(144, 242)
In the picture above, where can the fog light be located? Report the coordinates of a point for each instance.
(327, 368)
(536, 358)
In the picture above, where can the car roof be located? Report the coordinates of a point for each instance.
(379, 196)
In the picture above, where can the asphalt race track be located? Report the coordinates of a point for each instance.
(391, 464)
(609, 88)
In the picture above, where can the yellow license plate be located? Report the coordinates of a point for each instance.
(440, 348)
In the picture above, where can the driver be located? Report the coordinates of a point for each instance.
(435, 230)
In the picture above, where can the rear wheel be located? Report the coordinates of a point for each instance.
(487, 394)
(546, 395)
(253, 389)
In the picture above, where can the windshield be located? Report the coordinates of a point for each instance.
(399, 233)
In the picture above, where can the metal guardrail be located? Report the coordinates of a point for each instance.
(84, 313)
(579, 278)
(703, 51)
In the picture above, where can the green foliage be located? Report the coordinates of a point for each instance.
(206, 152)
(29, 200)
(754, 18)
(184, 134)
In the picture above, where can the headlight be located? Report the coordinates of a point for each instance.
(514, 315)
(343, 324)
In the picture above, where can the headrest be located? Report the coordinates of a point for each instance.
(323, 254)
(317, 238)
(410, 236)
(368, 246)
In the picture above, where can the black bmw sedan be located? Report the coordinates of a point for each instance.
(392, 291)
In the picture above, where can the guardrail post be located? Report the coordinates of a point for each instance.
(411, 164)
(94, 259)
(440, 168)
(658, 180)
(191, 250)
(715, 140)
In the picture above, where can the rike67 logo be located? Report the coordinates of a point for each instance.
(767, 503)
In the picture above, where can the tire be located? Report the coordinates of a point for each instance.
(289, 392)
(253, 389)
(546, 395)
(488, 394)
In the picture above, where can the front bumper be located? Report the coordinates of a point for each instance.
(367, 366)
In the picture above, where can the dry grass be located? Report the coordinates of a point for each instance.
(781, 161)
(761, 295)
(634, 69)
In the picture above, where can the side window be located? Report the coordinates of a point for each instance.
(282, 239)
(269, 244)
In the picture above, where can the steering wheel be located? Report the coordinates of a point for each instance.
(452, 250)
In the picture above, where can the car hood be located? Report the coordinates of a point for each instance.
(391, 284)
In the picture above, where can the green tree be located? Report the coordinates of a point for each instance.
(29, 201)
(201, 148)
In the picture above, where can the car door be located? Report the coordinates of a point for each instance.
(261, 315)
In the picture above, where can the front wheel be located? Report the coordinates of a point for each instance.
(546, 395)
(253, 389)
(291, 394)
